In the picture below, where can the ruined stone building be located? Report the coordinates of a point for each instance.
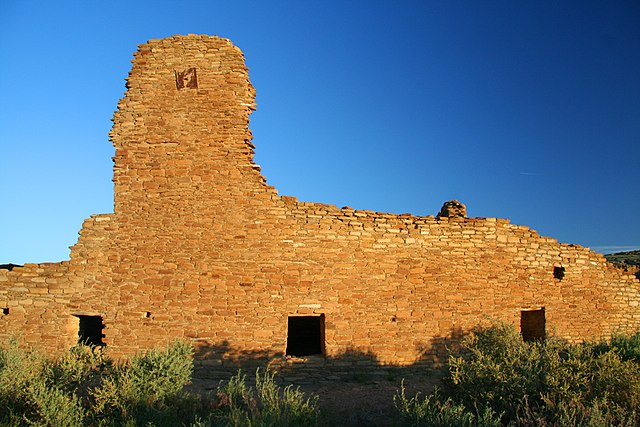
(199, 247)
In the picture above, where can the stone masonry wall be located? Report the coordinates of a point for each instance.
(199, 247)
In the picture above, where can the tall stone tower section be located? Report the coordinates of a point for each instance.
(184, 157)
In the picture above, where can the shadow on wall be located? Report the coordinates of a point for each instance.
(219, 361)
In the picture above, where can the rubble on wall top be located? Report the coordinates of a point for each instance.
(453, 209)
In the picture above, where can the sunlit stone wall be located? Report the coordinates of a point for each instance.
(200, 248)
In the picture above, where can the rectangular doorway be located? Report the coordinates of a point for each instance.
(305, 335)
(532, 325)
(90, 330)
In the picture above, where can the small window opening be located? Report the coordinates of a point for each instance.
(5, 311)
(305, 335)
(532, 325)
(90, 330)
(147, 315)
(558, 272)
(186, 79)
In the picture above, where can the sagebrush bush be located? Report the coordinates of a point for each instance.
(433, 410)
(140, 387)
(18, 369)
(288, 406)
(84, 388)
(495, 368)
(267, 405)
(627, 346)
(53, 406)
(573, 412)
(30, 394)
(545, 382)
(78, 369)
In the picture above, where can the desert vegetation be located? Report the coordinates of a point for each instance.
(497, 379)
(493, 379)
(624, 258)
(84, 388)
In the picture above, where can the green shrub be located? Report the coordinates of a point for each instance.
(267, 405)
(435, 411)
(236, 402)
(627, 346)
(548, 382)
(141, 387)
(30, 394)
(83, 387)
(599, 413)
(53, 406)
(286, 407)
(495, 368)
(18, 369)
(79, 368)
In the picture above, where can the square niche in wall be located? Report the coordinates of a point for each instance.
(305, 335)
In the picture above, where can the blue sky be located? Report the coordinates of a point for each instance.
(521, 110)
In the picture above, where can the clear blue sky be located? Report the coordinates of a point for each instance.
(521, 110)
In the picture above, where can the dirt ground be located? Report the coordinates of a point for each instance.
(364, 404)
(358, 402)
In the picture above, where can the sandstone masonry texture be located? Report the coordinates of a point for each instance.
(200, 248)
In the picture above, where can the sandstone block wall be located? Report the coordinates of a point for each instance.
(199, 247)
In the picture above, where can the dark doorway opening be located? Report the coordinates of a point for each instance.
(532, 325)
(305, 335)
(90, 330)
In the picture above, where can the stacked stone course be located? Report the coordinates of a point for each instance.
(199, 247)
